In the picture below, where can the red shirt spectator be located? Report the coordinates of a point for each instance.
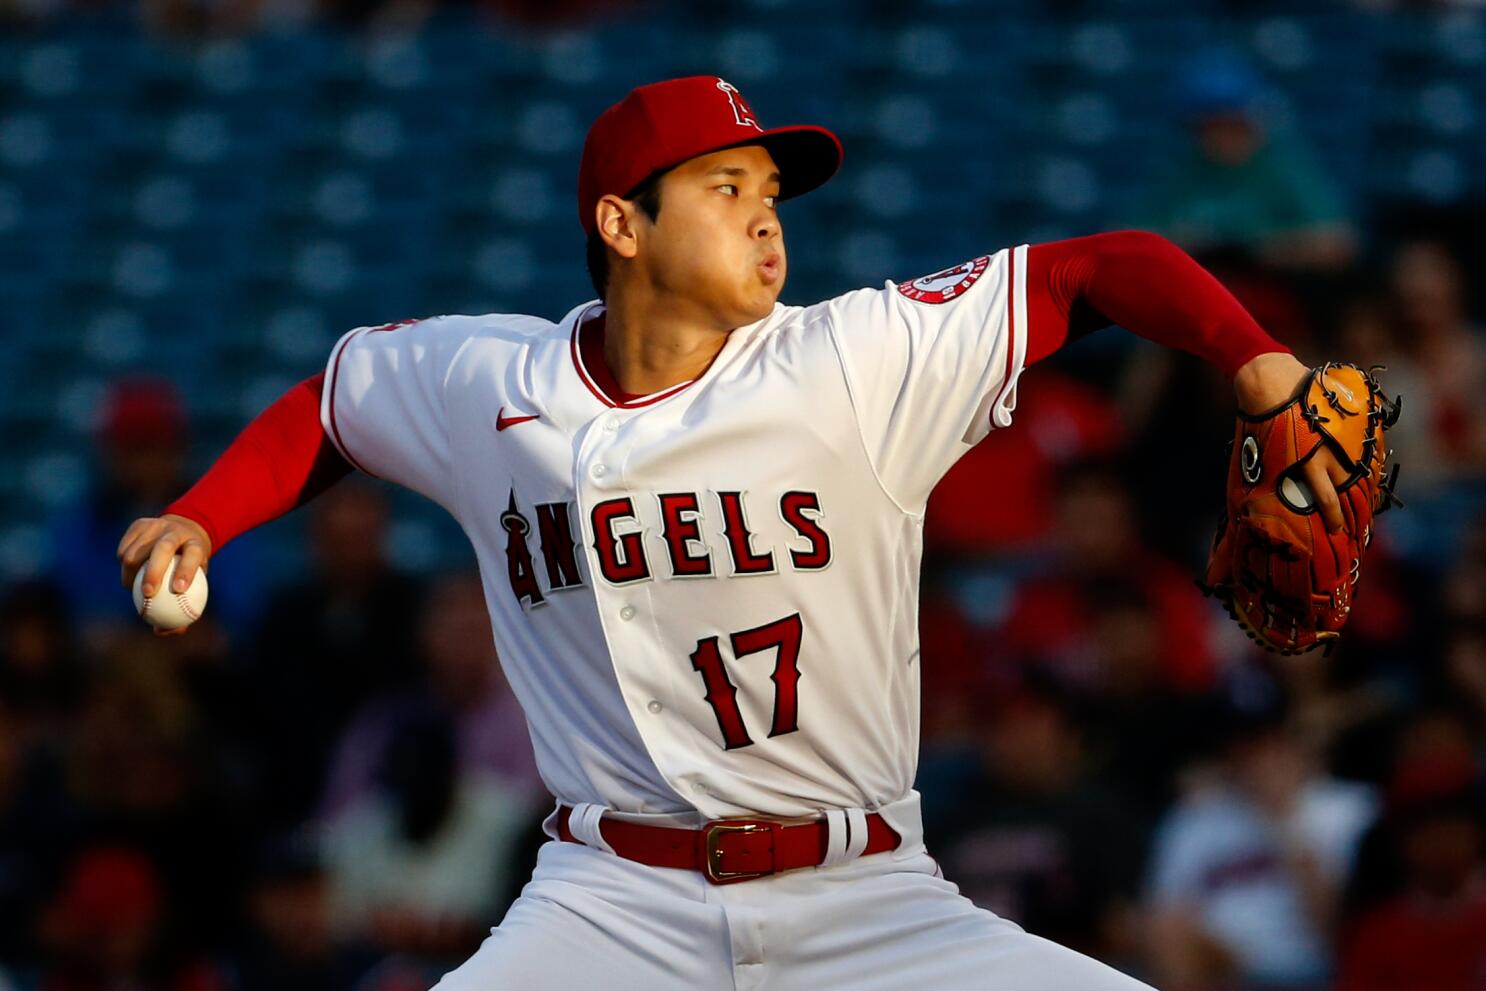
(1097, 547)
(1412, 944)
(1015, 471)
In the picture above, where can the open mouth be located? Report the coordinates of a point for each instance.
(770, 268)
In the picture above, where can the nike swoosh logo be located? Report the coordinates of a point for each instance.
(502, 422)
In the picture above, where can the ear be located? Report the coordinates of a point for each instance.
(616, 224)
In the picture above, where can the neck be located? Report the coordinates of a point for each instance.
(650, 346)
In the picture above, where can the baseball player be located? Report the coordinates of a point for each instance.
(698, 516)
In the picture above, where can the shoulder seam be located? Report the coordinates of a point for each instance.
(328, 407)
(458, 493)
(851, 393)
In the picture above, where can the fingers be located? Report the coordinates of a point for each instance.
(1323, 490)
(135, 547)
(150, 543)
(130, 534)
(192, 555)
(159, 560)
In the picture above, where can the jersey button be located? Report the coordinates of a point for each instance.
(654, 706)
(599, 471)
(611, 425)
(627, 613)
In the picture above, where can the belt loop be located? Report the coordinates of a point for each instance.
(584, 824)
(836, 829)
(856, 820)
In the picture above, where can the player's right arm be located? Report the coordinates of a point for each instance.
(377, 407)
(280, 461)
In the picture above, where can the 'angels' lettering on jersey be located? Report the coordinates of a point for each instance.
(624, 536)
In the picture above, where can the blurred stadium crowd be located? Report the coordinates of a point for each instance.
(327, 785)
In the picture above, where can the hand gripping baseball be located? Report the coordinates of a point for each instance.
(151, 542)
(1287, 577)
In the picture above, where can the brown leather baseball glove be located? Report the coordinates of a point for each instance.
(1288, 581)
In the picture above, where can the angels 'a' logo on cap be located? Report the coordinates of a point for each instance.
(941, 287)
(742, 112)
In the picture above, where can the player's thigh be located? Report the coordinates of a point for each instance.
(577, 925)
(909, 929)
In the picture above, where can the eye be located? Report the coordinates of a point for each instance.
(773, 201)
(731, 189)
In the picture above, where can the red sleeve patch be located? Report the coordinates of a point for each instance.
(943, 286)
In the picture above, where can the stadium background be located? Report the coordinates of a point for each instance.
(197, 198)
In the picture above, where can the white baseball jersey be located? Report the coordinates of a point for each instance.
(706, 598)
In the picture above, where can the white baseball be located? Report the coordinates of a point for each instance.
(167, 609)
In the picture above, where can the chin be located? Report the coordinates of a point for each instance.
(762, 305)
(755, 314)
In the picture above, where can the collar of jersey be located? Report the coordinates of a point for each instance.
(600, 380)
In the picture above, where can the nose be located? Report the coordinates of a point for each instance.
(766, 227)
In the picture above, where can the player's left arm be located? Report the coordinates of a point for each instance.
(1146, 284)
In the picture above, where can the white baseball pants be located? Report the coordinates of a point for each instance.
(888, 922)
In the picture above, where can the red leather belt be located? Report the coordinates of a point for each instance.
(727, 851)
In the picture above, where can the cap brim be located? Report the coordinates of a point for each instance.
(807, 156)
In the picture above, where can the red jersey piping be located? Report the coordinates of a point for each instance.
(1010, 333)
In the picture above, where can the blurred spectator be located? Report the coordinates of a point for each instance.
(1465, 669)
(37, 829)
(465, 680)
(1432, 935)
(130, 752)
(328, 645)
(22, 862)
(955, 656)
(1432, 750)
(1142, 728)
(1246, 871)
(291, 942)
(1059, 420)
(142, 443)
(1096, 546)
(40, 667)
(1462, 597)
(1239, 186)
(12, 889)
(103, 930)
(1036, 840)
(418, 866)
(140, 770)
(1435, 334)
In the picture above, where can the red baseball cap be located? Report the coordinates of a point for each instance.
(143, 410)
(659, 126)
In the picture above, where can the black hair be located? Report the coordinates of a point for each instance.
(646, 196)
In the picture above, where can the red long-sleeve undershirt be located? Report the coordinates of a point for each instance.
(1147, 285)
(280, 461)
(1140, 281)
